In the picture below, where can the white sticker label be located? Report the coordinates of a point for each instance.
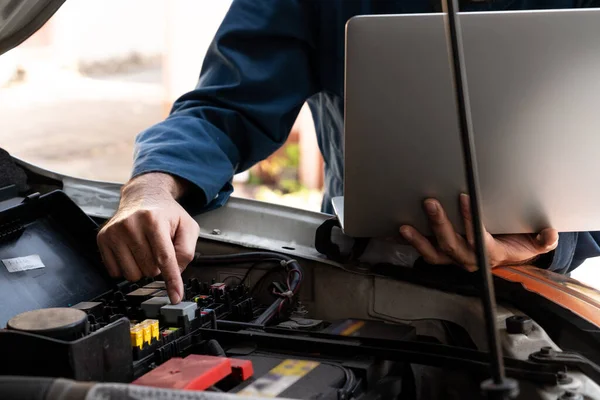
(23, 263)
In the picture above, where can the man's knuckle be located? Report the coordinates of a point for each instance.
(148, 216)
(145, 212)
(431, 260)
(133, 276)
(102, 231)
(114, 229)
(137, 250)
(129, 225)
(163, 258)
(187, 256)
(447, 248)
(100, 239)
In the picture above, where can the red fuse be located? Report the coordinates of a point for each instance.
(191, 373)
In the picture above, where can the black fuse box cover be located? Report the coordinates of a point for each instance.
(54, 228)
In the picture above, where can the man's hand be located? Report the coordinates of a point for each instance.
(150, 233)
(452, 248)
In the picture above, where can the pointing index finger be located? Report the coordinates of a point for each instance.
(163, 252)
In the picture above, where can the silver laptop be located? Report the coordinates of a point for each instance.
(534, 86)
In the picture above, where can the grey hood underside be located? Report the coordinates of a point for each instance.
(19, 19)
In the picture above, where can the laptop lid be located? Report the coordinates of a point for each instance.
(534, 85)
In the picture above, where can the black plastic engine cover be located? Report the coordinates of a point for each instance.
(54, 229)
(103, 356)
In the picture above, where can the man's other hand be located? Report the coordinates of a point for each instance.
(452, 248)
(150, 233)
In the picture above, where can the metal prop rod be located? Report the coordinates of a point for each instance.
(453, 33)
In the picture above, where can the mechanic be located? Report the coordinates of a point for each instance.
(266, 60)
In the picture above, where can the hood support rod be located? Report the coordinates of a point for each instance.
(499, 386)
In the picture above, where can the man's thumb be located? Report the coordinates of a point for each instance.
(547, 240)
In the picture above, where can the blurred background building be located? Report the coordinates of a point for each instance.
(100, 71)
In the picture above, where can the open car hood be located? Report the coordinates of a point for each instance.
(20, 19)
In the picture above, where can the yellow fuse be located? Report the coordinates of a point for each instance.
(154, 328)
(147, 328)
(137, 336)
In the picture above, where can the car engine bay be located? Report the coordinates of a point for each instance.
(253, 323)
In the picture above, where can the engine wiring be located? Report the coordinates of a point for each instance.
(294, 276)
(256, 264)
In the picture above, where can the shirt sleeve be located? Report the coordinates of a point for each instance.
(573, 249)
(256, 75)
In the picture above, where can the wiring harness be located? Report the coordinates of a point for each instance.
(292, 267)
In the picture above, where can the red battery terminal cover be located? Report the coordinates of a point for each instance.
(195, 372)
(242, 369)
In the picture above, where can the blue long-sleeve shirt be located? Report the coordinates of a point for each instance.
(268, 58)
